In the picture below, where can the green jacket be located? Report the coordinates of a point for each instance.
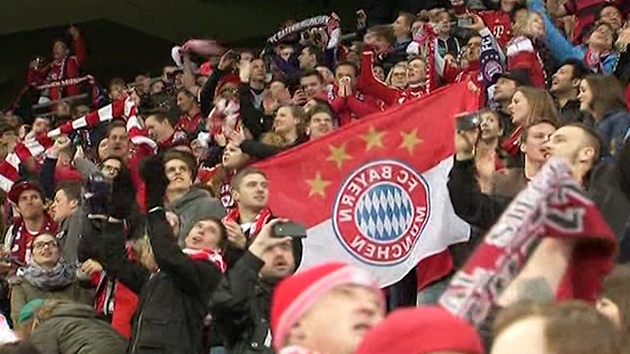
(73, 329)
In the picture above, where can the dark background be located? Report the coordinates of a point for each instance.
(128, 37)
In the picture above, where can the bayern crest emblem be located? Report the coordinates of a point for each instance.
(380, 212)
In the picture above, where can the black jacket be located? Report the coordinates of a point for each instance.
(241, 305)
(172, 301)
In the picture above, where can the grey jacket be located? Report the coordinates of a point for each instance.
(192, 207)
(70, 234)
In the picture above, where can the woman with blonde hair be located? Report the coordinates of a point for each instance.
(397, 77)
(522, 51)
(529, 105)
(288, 131)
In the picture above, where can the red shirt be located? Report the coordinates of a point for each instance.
(348, 109)
(188, 124)
(21, 238)
(499, 23)
(522, 55)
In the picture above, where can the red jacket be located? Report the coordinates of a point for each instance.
(67, 68)
(188, 124)
(522, 55)
(353, 107)
(370, 85)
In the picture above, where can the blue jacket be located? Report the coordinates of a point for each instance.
(613, 129)
(561, 48)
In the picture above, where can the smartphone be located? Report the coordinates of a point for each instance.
(289, 229)
(469, 121)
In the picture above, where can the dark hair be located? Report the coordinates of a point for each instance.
(319, 108)
(72, 190)
(579, 69)
(409, 17)
(159, 115)
(186, 92)
(312, 72)
(223, 235)
(536, 123)
(18, 348)
(238, 178)
(116, 123)
(315, 50)
(186, 157)
(607, 94)
(350, 64)
(383, 31)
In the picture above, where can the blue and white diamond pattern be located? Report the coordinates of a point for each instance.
(384, 212)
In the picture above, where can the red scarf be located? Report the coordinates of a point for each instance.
(551, 206)
(207, 255)
(261, 219)
(512, 144)
(594, 60)
(21, 242)
(296, 350)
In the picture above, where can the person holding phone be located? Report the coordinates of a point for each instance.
(241, 304)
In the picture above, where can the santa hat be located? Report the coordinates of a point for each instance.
(294, 296)
(421, 330)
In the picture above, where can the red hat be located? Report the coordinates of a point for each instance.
(20, 187)
(294, 296)
(421, 330)
(228, 79)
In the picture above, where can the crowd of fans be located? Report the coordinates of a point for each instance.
(134, 221)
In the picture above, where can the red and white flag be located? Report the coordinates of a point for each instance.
(375, 193)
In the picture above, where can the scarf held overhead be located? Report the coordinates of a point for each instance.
(553, 205)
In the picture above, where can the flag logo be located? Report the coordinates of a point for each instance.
(380, 212)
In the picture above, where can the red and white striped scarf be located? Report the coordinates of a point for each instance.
(207, 255)
(259, 221)
(551, 206)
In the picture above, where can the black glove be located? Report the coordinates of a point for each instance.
(97, 194)
(123, 196)
(154, 177)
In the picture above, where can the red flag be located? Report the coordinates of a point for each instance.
(374, 193)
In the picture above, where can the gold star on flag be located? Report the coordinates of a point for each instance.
(373, 138)
(410, 140)
(338, 155)
(318, 185)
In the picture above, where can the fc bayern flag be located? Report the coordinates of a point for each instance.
(374, 193)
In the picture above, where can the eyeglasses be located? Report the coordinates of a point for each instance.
(41, 245)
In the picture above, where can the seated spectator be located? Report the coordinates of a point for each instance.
(46, 276)
(66, 327)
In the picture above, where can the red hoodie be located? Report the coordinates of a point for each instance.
(522, 55)
(357, 106)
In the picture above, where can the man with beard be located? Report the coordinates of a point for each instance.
(565, 86)
(241, 304)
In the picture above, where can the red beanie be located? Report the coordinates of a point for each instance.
(421, 330)
(294, 296)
